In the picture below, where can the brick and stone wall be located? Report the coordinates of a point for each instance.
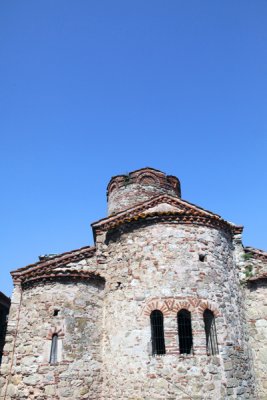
(251, 264)
(78, 323)
(256, 313)
(253, 273)
(157, 266)
(125, 191)
(169, 257)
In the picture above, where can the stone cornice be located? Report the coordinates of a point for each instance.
(46, 269)
(187, 213)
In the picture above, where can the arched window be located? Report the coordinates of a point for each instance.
(210, 330)
(185, 332)
(54, 349)
(157, 332)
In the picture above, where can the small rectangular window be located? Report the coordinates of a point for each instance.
(54, 350)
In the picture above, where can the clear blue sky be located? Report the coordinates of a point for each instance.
(95, 88)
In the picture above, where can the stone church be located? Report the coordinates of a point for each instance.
(167, 304)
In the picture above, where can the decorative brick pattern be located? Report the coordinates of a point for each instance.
(174, 305)
(146, 257)
(125, 191)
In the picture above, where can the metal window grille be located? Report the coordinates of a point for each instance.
(54, 347)
(210, 330)
(185, 332)
(157, 332)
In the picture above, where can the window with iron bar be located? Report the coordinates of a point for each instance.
(185, 332)
(157, 332)
(210, 330)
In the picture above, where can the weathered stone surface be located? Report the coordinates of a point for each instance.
(104, 333)
(257, 325)
(80, 323)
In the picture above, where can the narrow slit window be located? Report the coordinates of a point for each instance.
(157, 332)
(202, 257)
(185, 332)
(210, 330)
(54, 350)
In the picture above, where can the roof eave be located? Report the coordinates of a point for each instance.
(123, 216)
(60, 259)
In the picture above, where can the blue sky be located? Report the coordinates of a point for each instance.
(95, 88)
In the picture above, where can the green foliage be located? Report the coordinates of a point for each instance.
(247, 256)
(249, 271)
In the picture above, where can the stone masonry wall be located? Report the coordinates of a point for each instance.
(146, 267)
(32, 323)
(157, 267)
(256, 312)
(132, 194)
(103, 321)
(252, 264)
(125, 191)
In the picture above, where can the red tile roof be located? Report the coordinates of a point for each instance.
(47, 268)
(186, 213)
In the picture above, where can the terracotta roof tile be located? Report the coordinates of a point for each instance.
(57, 261)
(188, 213)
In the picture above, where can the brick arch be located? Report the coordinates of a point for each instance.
(170, 306)
(207, 305)
(156, 304)
(112, 187)
(147, 179)
(188, 304)
(55, 331)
